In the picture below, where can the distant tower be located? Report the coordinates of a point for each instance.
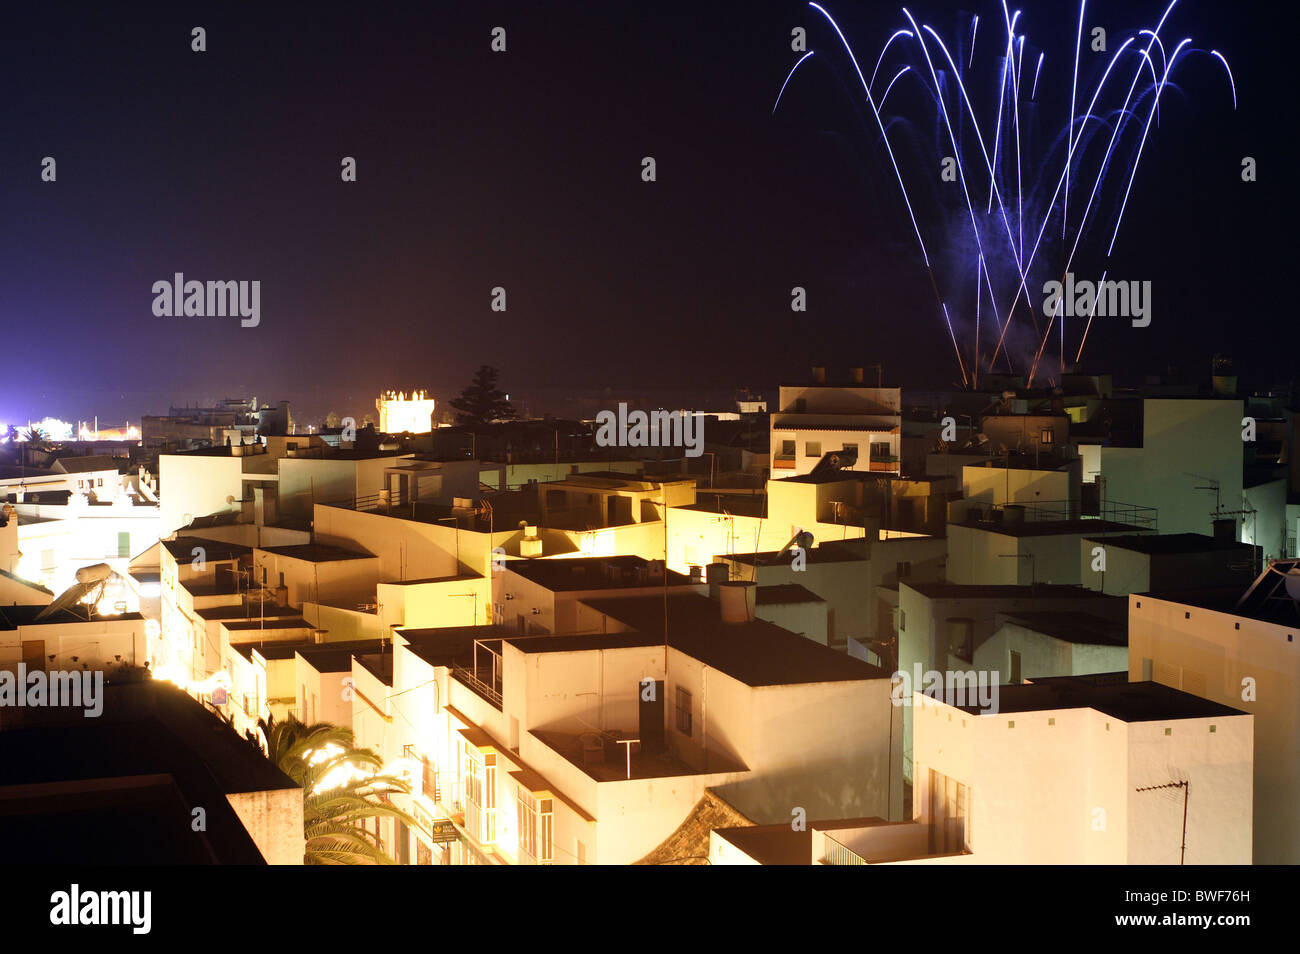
(399, 414)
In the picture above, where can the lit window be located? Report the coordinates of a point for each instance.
(489, 799)
(1048, 436)
(548, 831)
(526, 807)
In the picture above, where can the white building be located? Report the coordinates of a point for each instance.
(1243, 653)
(818, 419)
(1086, 771)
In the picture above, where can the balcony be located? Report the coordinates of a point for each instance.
(477, 680)
(883, 464)
(784, 462)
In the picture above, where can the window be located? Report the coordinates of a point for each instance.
(850, 449)
(787, 448)
(473, 778)
(812, 449)
(548, 831)
(403, 843)
(429, 780)
(526, 806)
(949, 814)
(124, 544)
(489, 799)
(880, 450)
(101, 482)
(903, 569)
(1047, 436)
(683, 711)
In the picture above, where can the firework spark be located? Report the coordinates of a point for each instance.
(1031, 190)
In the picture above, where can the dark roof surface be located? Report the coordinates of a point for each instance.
(756, 653)
(592, 573)
(164, 751)
(337, 657)
(1050, 528)
(84, 465)
(785, 593)
(318, 552)
(1079, 628)
(182, 549)
(1167, 543)
(1108, 694)
(978, 591)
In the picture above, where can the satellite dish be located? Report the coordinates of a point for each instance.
(1292, 577)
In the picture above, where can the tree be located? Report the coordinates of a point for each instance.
(482, 402)
(341, 788)
(332, 419)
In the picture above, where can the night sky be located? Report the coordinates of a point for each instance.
(523, 170)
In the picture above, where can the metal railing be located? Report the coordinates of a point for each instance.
(1043, 511)
(471, 678)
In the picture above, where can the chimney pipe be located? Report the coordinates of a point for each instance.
(737, 601)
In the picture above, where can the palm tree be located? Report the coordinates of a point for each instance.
(341, 788)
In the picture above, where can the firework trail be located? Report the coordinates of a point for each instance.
(1027, 191)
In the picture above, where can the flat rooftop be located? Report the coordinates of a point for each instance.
(215, 551)
(1175, 543)
(452, 645)
(784, 594)
(337, 657)
(1105, 692)
(781, 845)
(309, 649)
(122, 788)
(1051, 528)
(600, 756)
(11, 617)
(1083, 629)
(318, 553)
(825, 553)
(738, 505)
(756, 653)
(594, 573)
(255, 611)
(980, 591)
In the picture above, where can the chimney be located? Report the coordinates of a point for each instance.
(717, 573)
(819, 374)
(1225, 530)
(855, 375)
(737, 598)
